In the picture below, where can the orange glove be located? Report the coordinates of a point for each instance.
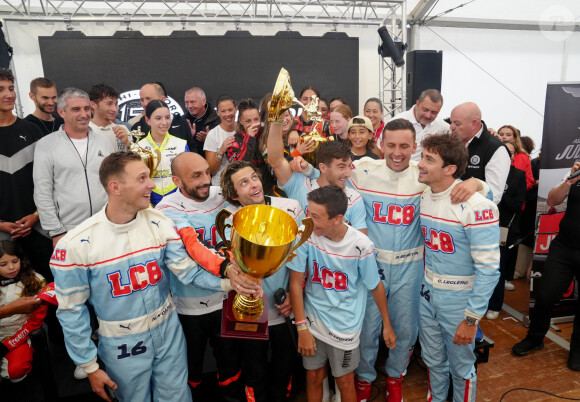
(207, 257)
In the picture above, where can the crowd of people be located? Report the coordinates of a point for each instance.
(413, 220)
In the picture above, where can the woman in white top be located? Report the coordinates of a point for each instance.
(220, 138)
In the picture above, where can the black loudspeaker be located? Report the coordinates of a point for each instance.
(423, 72)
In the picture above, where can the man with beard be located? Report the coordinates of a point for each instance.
(193, 208)
(423, 116)
(200, 117)
(43, 94)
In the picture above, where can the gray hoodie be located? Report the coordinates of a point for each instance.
(65, 192)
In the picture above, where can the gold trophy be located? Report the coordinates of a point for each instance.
(283, 99)
(147, 156)
(262, 240)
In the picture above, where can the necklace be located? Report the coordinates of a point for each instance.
(45, 127)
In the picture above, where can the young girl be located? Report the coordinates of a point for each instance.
(246, 142)
(360, 138)
(339, 118)
(374, 111)
(17, 279)
(159, 118)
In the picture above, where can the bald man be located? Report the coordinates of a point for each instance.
(153, 91)
(194, 206)
(489, 159)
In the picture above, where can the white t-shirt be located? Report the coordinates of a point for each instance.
(108, 131)
(213, 142)
(81, 146)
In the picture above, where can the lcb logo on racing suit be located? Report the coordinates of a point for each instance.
(396, 214)
(140, 276)
(439, 241)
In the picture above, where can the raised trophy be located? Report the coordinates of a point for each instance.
(283, 99)
(150, 158)
(262, 240)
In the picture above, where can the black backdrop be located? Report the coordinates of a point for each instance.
(236, 63)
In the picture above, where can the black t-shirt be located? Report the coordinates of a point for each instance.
(369, 153)
(16, 186)
(46, 127)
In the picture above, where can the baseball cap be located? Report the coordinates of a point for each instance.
(360, 121)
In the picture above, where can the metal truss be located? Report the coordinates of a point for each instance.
(392, 78)
(267, 11)
(315, 12)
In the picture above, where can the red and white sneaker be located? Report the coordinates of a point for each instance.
(394, 389)
(363, 390)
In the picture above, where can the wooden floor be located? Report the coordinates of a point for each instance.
(543, 370)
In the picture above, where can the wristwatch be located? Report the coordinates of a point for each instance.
(471, 321)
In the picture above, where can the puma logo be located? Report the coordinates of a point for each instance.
(155, 223)
(291, 210)
(88, 240)
(23, 137)
(127, 327)
(205, 303)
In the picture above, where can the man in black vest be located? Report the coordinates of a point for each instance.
(489, 159)
(562, 265)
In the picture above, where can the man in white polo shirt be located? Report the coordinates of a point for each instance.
(423, 116)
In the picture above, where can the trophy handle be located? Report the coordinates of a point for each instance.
(158, 154)
(221, 225)
(304, 235)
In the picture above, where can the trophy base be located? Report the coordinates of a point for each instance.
(233, 328)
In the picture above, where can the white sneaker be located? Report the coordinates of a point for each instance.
(509, 286)
(492, 315)
(79, 373)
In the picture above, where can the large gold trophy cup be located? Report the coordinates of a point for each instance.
(262, 240)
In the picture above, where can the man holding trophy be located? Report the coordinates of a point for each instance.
(242, 187)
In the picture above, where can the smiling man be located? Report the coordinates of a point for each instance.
(242, 186)
(43, 94)
(200, 116)
(391, 195)
(119, 261)
(105, 105)
(66, 167)
(333, 158)
(461, 269)
(193, 209)
(423, 116)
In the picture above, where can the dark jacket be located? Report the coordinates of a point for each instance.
(208, 119)
(510, 206)
(480, 152)
(245, 148)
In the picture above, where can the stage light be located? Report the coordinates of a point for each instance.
(388, 48)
